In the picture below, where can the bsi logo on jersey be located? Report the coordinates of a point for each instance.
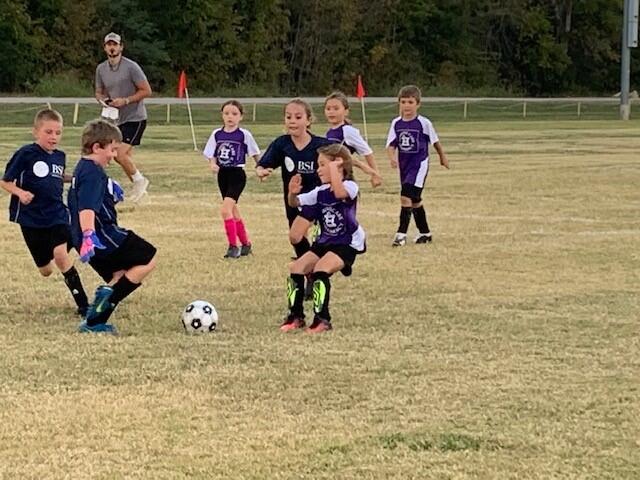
(57, 170)
(306, 167)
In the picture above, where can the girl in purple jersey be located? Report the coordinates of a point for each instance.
(341, 238)
(408, 143)
(336, 110)
(226, 151)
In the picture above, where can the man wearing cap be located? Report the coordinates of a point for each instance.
(121, 84)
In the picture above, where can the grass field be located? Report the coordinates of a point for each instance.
(509, 348)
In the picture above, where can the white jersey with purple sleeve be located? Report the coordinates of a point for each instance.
(412, 139)
(350, 136)
(230, 149)
(338, 223)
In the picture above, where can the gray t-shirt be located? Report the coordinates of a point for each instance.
(121, 82)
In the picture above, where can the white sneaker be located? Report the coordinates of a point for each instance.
(400, 240)
(139, 189)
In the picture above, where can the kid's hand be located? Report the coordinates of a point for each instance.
(213, 165)
(393, 162)
(444, 161)
(25, 197)
(295, 184)
(376, 180)
(336, 164)
(90, 242)
(263, 173)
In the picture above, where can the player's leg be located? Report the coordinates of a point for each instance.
(295, 291)
(37, 241)
(420, 217)
(322, 271)
(226, 211)
(71, 277)
(400, 238)
(131, 136)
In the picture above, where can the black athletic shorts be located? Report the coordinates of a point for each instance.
(134, 251)
(346, 253)
(231, 181)
(42, 241)
(132, 132)
(412, 192)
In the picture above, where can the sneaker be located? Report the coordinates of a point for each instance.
(319, 325)
(423, 238)
(232, 252)
(292, 323)
(82, 311)
(399, 240)
(100, 302)
(245, 250)
(107, 328)
(139, 189)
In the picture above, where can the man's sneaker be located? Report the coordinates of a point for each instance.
(232, 252)
(139, 189)
(100, 303)
(399, 240)
(423, 238)
(319, 325)
(99, 328)
(245, 250)
(292, 323)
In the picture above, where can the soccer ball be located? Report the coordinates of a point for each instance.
(200, 317)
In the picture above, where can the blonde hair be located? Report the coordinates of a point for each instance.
(336, 151)
(101, 132)
(342, 98)
(305, 105)
(410, 91)
(46, 114)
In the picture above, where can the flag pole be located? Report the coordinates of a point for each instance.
(364, 120)
(193, 132)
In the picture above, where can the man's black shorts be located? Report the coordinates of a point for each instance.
(134, 251)
(42, 241)
(231, 181)
(132, 132)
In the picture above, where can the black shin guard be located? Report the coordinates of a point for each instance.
(122, 289)
(420, 216)
(295, 295)
(405, 218)
(302, 247)
(74, 284)
(321, 293)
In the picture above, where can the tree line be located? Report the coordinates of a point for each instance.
(302, 47)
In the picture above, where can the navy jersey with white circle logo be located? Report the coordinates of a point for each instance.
(41, 173)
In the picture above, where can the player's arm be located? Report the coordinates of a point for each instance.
(24, 196)
(213, 164)
(143, 90)
(271, 159)
(87, 220)
(337, 186)
(444, 161)
(295, 187)
(392, 153)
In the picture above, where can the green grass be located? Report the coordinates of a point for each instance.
(506, 349)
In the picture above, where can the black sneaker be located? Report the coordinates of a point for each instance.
(423, 238)
(232, 252)
(245, 250)
(319, 325)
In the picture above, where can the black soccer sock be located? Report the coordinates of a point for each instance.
(302, 247)
(405, 218)
(420, 216)
(122, 289)
(295, 294)
(321, 291)
(74, 284)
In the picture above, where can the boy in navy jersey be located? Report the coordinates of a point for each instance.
(34, 177)
(408, 143)
(119, 256)
(226, 151)
(297, 154)
(341, 238)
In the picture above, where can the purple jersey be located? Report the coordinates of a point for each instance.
(412, 139)
(337, 218)
(231, 148)
(351, 138)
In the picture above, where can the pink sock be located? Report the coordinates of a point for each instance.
(242, 233)
(230, 228)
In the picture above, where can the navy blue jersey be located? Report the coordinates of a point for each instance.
(41, 173)
(283, 153)
(91, 189)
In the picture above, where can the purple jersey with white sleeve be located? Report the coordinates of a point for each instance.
(230, 149)
(337, 218)
(412, 139)
(351, 138)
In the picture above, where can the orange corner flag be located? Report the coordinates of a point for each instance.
(360, 93)
(182, 84)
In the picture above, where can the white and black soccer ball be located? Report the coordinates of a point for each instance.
(200, 317)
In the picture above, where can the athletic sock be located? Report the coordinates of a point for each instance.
(405, 218)
(74, 284)
(321, 291)
(295, 294)
(122, 289)
(420, 216)
(241, 232)
(230, 229)
(136, 177)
